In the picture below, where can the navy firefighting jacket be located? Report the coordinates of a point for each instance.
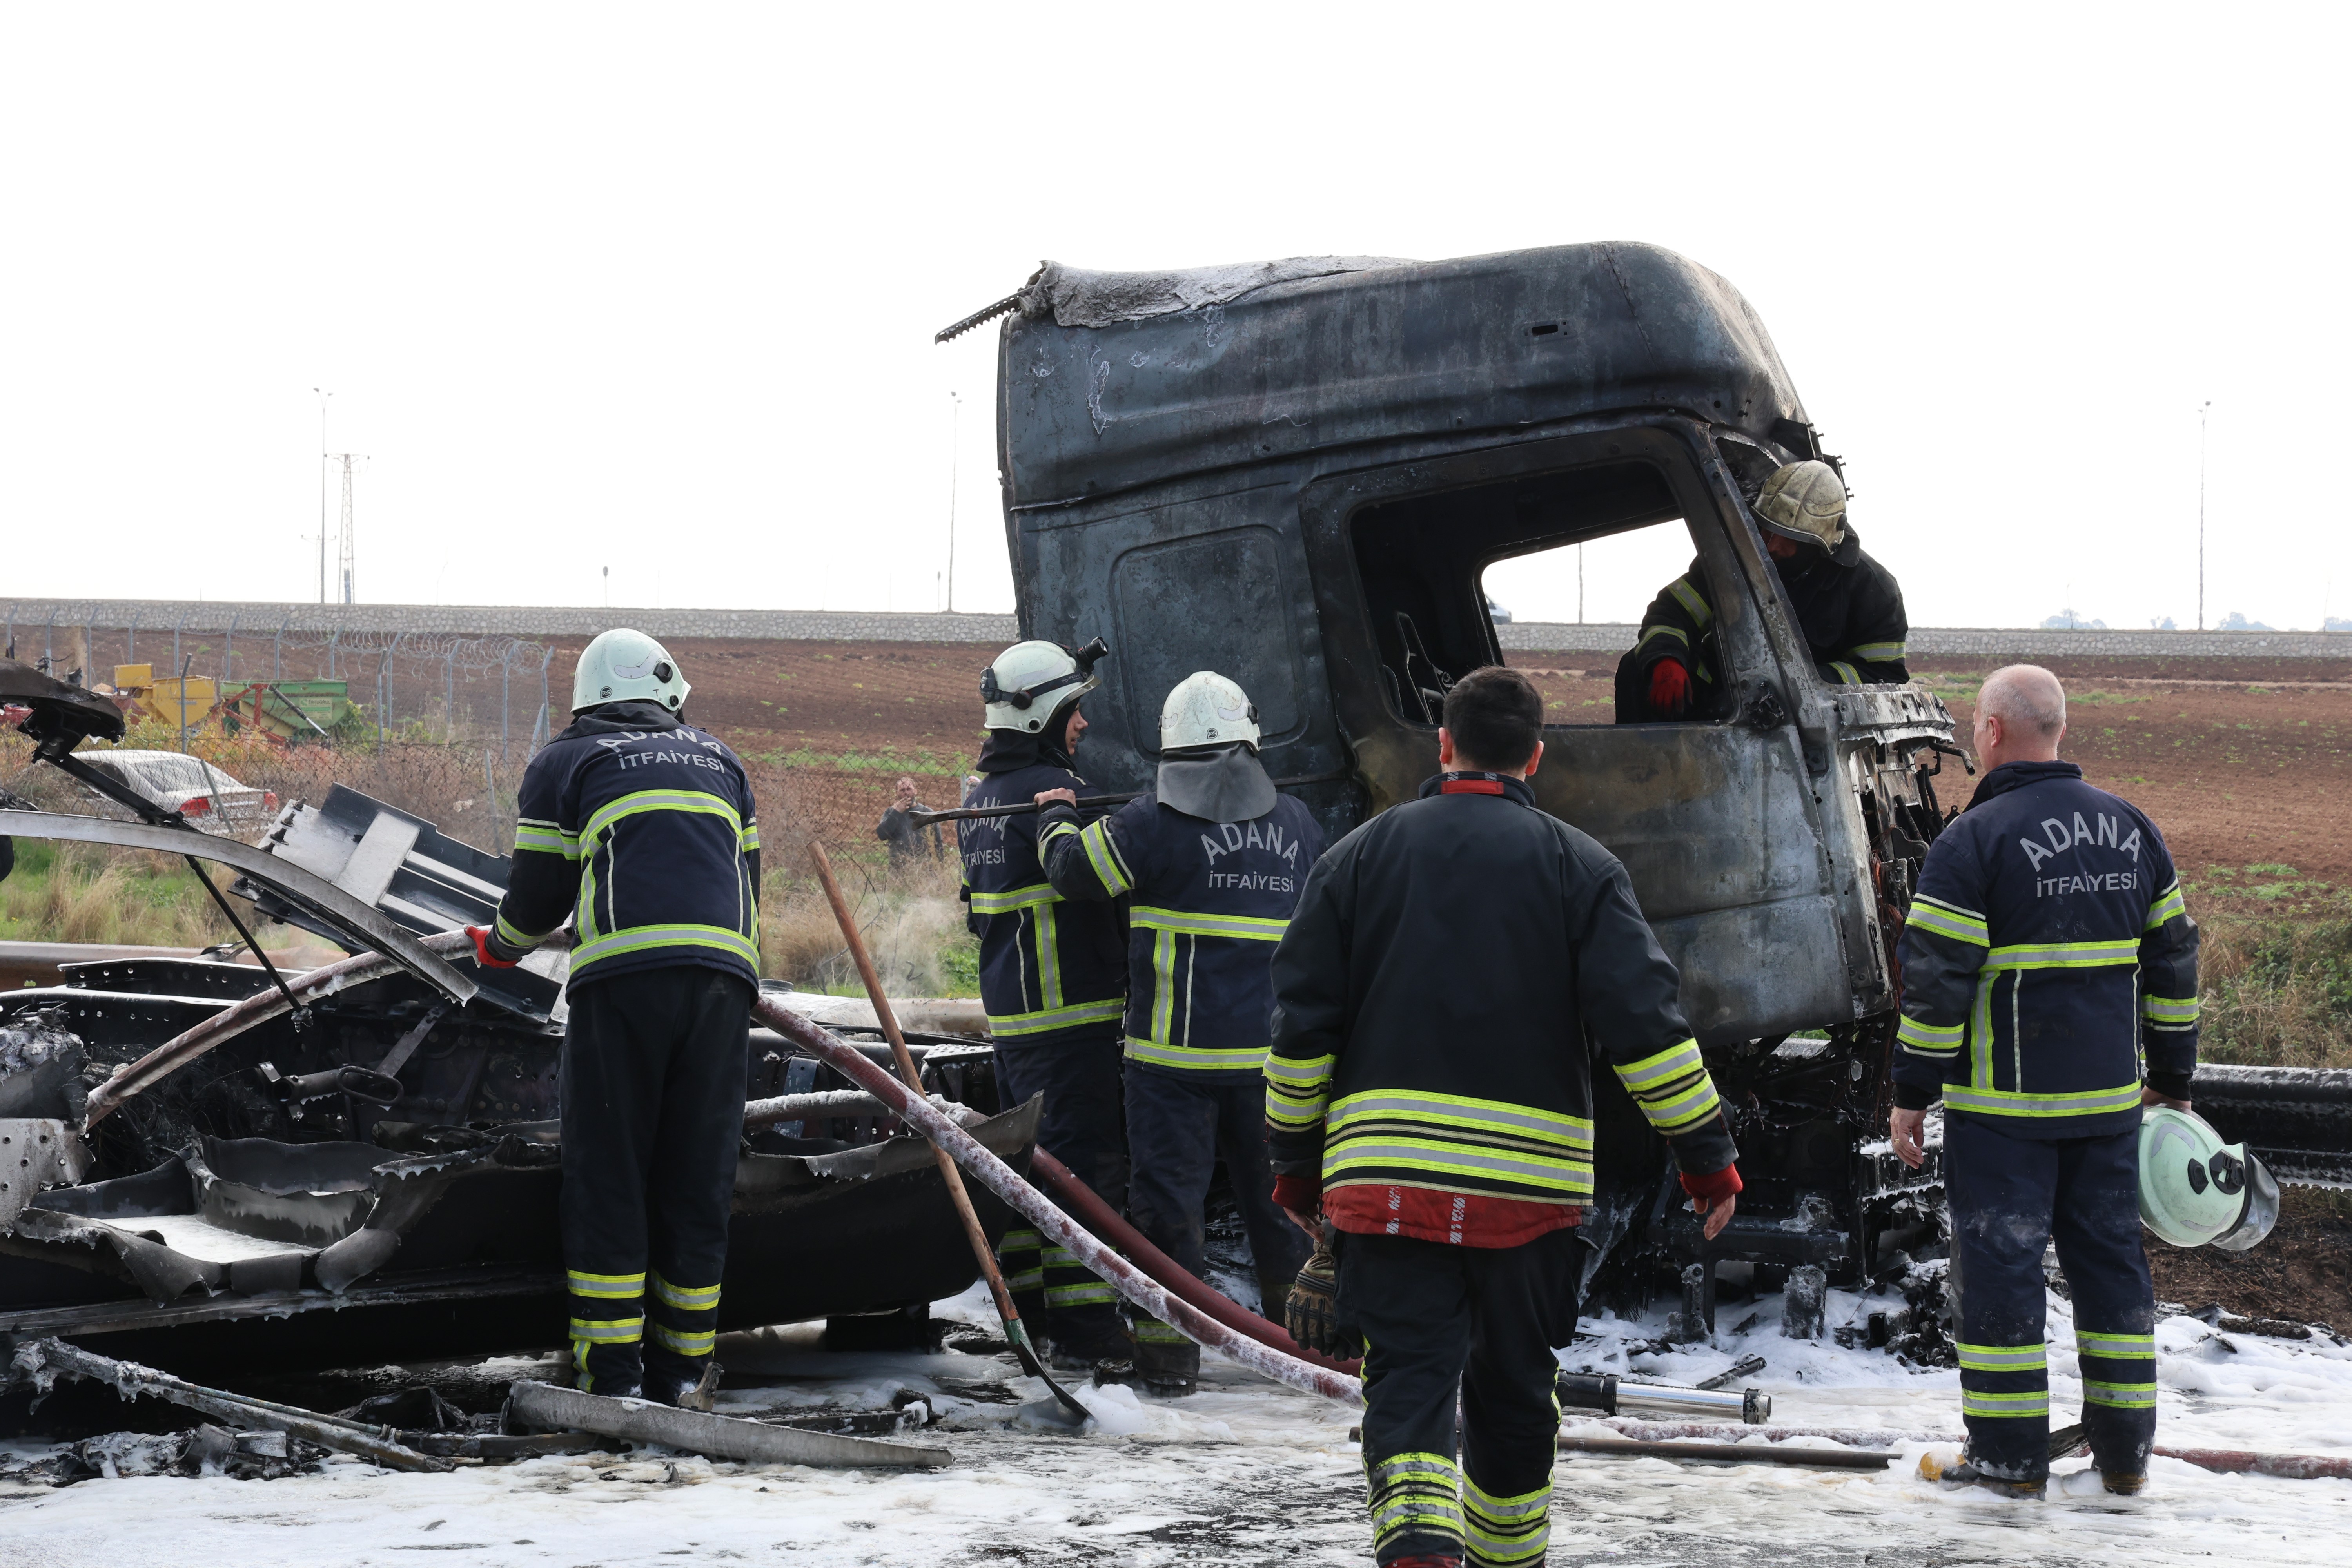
(639, 827)
(1849, 607)
(2049, 964)
(1456, 967)
(1048, 971)
(1208, 900)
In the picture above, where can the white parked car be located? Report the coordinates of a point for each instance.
(209, 798)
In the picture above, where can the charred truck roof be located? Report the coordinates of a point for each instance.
(1297, 472)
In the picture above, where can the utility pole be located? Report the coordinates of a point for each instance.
(345, 542)
(2201, 513)
(955, 450)
(323, 493)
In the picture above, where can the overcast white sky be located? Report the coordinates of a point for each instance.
(655, 288)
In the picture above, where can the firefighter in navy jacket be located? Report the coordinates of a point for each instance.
(1849, 607)
(1054, 979)
(1455, 966)
(2049, 990)
(640, 828)
(1212, 864)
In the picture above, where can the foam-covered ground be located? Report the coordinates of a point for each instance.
(1246, 1473)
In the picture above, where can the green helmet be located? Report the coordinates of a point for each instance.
(2194, 1188)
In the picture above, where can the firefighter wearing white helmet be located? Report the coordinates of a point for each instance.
(1211, 862)
(1053, 981)
(640, 828)
(2049, 992)
(1849, 607)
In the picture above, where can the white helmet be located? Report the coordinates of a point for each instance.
(1031, 681)
(1207, 709)
(626, 666)
(1804, 501)
(2194, 1188)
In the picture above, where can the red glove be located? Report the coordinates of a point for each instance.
(1715, 1186)
(1297, 1193)
(482, 953)
(1669, 688)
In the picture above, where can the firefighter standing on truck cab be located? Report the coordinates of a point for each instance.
(1053, 977)
(1211, 861)
(1453, 967)
(1849, 607)
(640, 828)
(2047, 957)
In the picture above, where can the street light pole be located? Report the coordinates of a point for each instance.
(323, 493)
(955, 450)
(2201, 513)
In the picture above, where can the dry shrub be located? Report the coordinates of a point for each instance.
(2278, 991)
(910, 919)
(85, 893)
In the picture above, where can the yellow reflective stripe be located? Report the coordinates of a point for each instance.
(700, 1299)
(684, 1342)
(1079, 1295)
(1013, 898)
(608, 1331)
(1846, 673)
(1297, 1089)
(1019, 1241)
(1199, 1059)
(1568, 1178)
(638, 939)
(1877, 652)
(693, 801)
(2007, 1102)
(1672, 1086)
(513, 937)
(2005, 1358)
(1163, 983)
(1670, 1063)
(1103, 856)
(2063, 954)
(1504, 1510)
(1450, 1110)
(1152, 1331)
(1055, 830)
(1003, 1024)
(610, 1286)
(1249, 928)
(2024, 1404)
(749, 839)
(2172, 1009)
(2119, 1346)
(1049, 957)
(1948, 919)
(2123, 1395)
(1688, 598)
(1651, 633)
(546, 838)
(2168, 904)
(1028, 1280)
(1929, 1039)
(1303, 1072)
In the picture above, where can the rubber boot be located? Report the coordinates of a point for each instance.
(1952, 1477)
(1168, 1362)
(665, 1388)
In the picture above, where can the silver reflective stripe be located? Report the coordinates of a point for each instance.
(1564, 1175)
(2002, 1102)
(1449, 1110)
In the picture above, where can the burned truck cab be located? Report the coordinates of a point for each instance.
(1298, 474)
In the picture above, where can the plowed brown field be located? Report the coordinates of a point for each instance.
(2241, 762)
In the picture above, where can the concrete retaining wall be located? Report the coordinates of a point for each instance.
(32, 618)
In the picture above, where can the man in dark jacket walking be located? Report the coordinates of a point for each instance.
(1052, 976)
(640, 828)
(1454, 967)
(1849, 607)
(2048, 954)
(1212, 863)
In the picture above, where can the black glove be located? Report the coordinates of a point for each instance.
(1311, 1312)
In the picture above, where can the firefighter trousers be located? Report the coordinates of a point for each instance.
(2011, 1197)
(652, 1083)
(1082, 1127)
(1436, 1319)
(1179, 1124)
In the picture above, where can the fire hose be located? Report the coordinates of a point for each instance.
(1136, 1287)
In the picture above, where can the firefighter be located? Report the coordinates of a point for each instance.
(640, 828)
(1849, 607)
(2046, 955)
(1053, 980)
(1211, 861)
(1453, 967)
